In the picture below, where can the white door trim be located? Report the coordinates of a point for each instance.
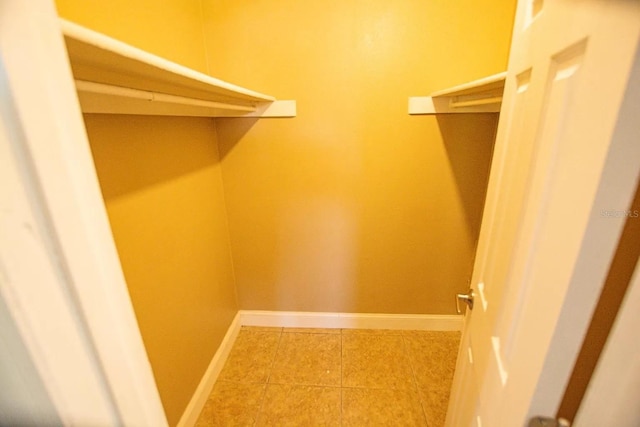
(65, 185)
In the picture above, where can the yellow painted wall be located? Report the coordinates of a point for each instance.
(354, 205)
(160, 178)
(168, 28)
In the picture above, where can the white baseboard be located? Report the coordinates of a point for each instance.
(199, 398)
(301, 319)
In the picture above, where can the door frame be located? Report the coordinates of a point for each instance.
(60, 178)
(611, 399)
(44, 96)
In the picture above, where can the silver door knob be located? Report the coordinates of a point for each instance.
(467, 298)
(548, 422)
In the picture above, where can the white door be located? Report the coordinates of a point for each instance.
(566, 163)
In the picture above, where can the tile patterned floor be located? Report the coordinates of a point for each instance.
(334, 377)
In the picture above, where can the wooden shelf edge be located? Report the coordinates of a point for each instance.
(113, 77)
(475, 86)
(479, 96)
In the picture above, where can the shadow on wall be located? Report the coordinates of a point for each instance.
(235, 129)
(233, 134)
(469, 141)
(150, 151)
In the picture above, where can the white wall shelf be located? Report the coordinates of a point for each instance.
(479, 96)
(113, 77)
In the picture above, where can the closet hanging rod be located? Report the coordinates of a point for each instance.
(87, 87)
(474, 102)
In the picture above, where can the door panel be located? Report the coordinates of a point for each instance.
(560, 82)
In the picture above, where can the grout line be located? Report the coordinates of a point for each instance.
(292, 384)
(341, 407)
(415, 380)
(287, 330)
(273, 361)
(266, 385)
(262, 398)
(341, 356)
(360, 387)
(341, 371)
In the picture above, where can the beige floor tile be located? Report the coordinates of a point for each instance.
(375, 361)
(299, 406)
(303, 358)
(434, 403)
(433, 358)
(313, 330)
(381, 407)
(232, 404)
(251, 357)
